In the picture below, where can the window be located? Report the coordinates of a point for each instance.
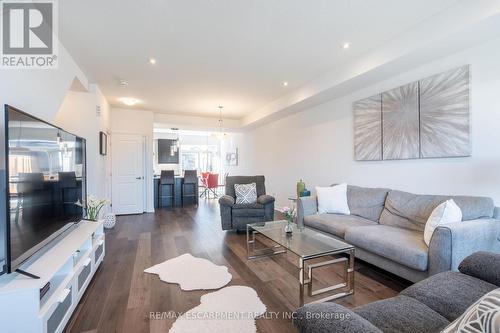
(200, 157)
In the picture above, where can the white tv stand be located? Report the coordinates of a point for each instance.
(68, 266)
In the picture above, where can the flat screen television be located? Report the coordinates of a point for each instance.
(45, 176)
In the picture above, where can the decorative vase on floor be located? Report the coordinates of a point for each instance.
(109, 220)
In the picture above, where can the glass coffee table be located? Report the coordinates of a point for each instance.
(309, 245)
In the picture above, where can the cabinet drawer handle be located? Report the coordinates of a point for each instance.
(63, 296)
(87, 262)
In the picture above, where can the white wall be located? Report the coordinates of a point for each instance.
(78, 115)
(236, 140)
(40, 92)
(317, 144)
(125, 121)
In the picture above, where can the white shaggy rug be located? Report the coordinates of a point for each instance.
(192, 273)
(229, 310)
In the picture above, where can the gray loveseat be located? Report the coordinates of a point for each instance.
(386, 227)
(426, 307)
(237, 216)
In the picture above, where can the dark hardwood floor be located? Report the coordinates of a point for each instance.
(121, 297)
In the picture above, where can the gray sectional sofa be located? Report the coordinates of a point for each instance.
(386, 227)
(426, 307)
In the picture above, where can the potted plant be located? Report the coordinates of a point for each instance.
(92, 207)
(289, 214)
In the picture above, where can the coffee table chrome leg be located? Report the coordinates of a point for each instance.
(350, 273)
(253, 240)
(260, 253)
(301, 281)
(248, 242)
(347, 284)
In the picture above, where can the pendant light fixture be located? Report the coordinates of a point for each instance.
(59, 140)
(221, 135)
(175, 143)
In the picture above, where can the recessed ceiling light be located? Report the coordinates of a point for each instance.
(346, 45)
(130, 101)
(152, 61)
(285, 83)
(123, 83)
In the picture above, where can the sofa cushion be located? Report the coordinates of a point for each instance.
(403, 246)
(232, 180)
(248, 212)
(335, 224)
(329, 317)
(366, 202)
(248, 206)
(449, 293)
(402, 314)
(482, 265)
(240, 222)
(407, 210)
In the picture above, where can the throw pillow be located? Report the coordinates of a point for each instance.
(482, 316)
(333, 199)
(447, 212)
(246, 193)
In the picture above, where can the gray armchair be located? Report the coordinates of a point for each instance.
(237, 216)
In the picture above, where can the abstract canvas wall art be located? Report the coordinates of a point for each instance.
(444, 114)
(232, 157)
(368, 129)
(424, 119)
(400, 139)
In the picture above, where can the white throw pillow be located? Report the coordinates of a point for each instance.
(246, 193)
(333, 199)
(482, 316)
(447, 212)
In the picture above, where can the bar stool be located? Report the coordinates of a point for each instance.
(167, 178)
(190, 180)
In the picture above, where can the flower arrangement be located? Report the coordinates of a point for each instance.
(92, 207)
(289, 214)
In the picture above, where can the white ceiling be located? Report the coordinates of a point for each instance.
(231, 52)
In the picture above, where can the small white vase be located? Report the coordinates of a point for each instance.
(109, 220)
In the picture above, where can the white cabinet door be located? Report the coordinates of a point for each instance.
(127, 160)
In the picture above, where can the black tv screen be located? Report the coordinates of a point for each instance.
(45, 177)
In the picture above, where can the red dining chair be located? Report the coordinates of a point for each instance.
(204, 184)
(223, 180)
(213, 184)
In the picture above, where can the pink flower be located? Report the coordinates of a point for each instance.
(285, 209)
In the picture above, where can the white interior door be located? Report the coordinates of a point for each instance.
(127, 159)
